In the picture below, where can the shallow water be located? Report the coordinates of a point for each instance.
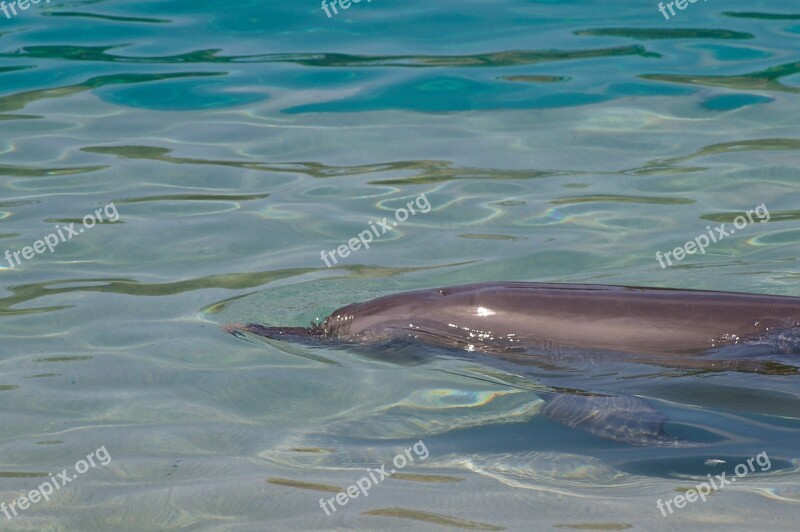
(554, 141)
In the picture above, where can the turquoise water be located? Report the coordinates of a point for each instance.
(555, 141)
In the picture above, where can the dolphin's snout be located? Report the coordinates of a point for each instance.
(275, 333)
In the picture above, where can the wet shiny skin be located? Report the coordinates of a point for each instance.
(620, 319)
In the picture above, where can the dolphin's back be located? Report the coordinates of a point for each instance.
(612, 318)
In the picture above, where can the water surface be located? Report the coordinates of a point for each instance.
(557, 141)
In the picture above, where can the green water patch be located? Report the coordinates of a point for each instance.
(29, 171)
(79, 221)
(437, 479)
(303, 485)
(63, 359)
(17, 203)
(760, 16)
(491, 59)
(774, 216)
(19, 117)
(311, 169)
(477, 236)
(686, 490)
(536, 79)
(606, 198)
(3, 70)
(511, 203)
(431, 518)
(107, 18)
(432, 174)
(768, 80)
(666, 33)
(101, 53)
(595, 526)
(21, 474)
(193, 197)
(8, 387)
(311, 450)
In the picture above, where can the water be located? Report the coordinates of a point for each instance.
(555, 141)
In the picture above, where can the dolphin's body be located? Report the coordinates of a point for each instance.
(521, 322)
(495, 317)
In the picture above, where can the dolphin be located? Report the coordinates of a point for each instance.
(512, 316)
(526, 323)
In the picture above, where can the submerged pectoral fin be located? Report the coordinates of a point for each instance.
(621, 418)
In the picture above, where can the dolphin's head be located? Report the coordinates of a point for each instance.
(377, 329)
(368, 322)
(381, 318)
(439, 314)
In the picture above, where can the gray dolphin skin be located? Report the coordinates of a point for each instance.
(508, 316)
(524, 323)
